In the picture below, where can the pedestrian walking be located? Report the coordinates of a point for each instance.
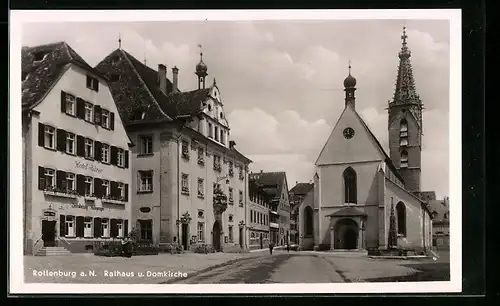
(271, 246)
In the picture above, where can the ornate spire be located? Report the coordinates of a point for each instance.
(405, 92)
(119, 40)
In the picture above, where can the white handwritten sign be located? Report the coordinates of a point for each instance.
(87, 166)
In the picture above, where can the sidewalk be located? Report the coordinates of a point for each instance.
(267, 249)
(119, 270)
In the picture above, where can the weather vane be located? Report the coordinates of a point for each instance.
(349, 67)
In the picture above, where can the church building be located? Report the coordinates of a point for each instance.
(362, 197)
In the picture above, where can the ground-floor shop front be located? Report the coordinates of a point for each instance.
(259, 239)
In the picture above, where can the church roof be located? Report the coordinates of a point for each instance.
(348, 212)
(426, 196)
(43, 65)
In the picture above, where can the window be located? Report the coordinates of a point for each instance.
(216, 134)
(201, 188)
(404, 159)
(49, 137)
(70, 181)
(120, 157)
(230, 233)
(201, 157)
(146, 229)
(105, 188)
(401, 218)
(49, 178)
(119, 225)
(88, 186)
(445, 216)
(185, 149)
(210, 131)
(350, 188)
(89, 148)
(87, 229)
(121, 190)
(146, 178)
(216, 186)
(201, 232)
(105, 153)
(403, 141)
(185, 183)
(105, 227)
(231, 218)
(241, 197)
(231, 199)
(70, 143)
(231, 169)
(70, 105)
(217, 165)
(92, 83)
(222, 136)
(89, 112)
(308, 218)
(70, 226)
(404, 126)
(146, 145)
(105, 118)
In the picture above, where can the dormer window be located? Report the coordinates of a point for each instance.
(114, 77)
(92, 83)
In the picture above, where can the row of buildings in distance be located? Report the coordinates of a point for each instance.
(118, 147)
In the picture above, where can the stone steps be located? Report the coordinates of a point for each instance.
(52, 251)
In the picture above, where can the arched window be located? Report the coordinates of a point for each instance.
(404, 159)
(308, 224)
(401, 217)
(404, 126)
(403, 133)
(350, 190)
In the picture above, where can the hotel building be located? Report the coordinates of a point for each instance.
(76, 165)
(189, 182)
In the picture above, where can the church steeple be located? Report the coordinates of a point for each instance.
(201, 71)
(405, 121)
(350, 88)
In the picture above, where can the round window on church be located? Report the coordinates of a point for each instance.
(348, 133)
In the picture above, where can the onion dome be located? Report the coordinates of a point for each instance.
(350, 81)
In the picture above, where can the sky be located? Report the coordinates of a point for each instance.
(281, 82)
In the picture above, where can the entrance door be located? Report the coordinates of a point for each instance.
(216, 235)
(185, 236)
(241, 237)
(350, 239)
(48, 233)
(261, 241)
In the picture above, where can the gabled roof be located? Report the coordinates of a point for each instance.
(256, 189)
(41, 75)
(153, 104)
(348, 212)
(302, 188)
(387, 159)
(271, 182)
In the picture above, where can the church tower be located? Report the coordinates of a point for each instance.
(350, 88)
(405, 122)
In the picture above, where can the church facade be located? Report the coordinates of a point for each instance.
(362, 197)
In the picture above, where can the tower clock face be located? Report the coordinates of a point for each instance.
(348, 133)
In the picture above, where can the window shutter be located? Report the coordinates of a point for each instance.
(80, 184)
(61, 140)
(114, 188)
(97, 114)
(80, 146)
(98, 150)
(63, 102)
(126, 159)
(62, 225)
(80, 108)
(114, 228)
(126, 192)
(114, 155)
(125, 228)
(60, 179)
(41, 178)
(89, 81)
(98, 190)
(80, 221)
(97, 227)
(112, 121)
(41, 134)
(96, 86)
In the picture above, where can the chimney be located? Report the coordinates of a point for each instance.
(175, 74)
(162, 78)
(261, 171)
(231, 144)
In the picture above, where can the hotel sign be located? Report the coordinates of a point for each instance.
(87, 166)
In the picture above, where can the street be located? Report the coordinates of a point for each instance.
(226, 268)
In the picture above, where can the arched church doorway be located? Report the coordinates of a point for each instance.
(216, 235)
(346, 234)
(308, 222)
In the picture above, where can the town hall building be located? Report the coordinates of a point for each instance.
(362, 197)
